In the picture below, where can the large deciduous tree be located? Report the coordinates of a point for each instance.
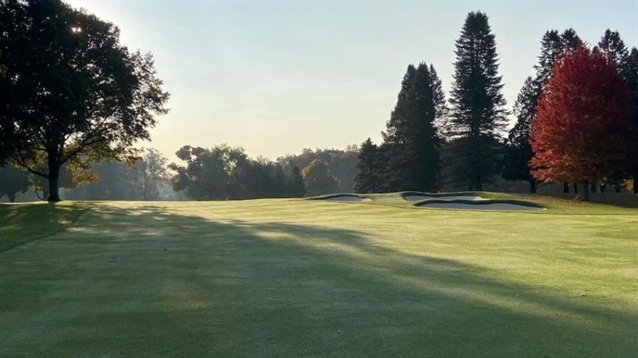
(71, 91)
(477, 104)
(318, 179)
(582, 129)
(149, 172)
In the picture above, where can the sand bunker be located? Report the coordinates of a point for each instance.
(347, 198)
(450, 197)
(491, 206)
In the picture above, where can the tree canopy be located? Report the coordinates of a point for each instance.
(71, 91)
(582, 129)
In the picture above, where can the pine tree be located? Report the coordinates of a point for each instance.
(519, 151)
(411, 137)
(368, 178)
(631, 77)
(395, 136)
(477, 112)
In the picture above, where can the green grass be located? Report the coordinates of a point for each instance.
(293, 278)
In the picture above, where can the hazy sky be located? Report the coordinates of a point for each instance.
(278, 76)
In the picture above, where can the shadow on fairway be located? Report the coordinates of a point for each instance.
(145, 282)
(21, 223)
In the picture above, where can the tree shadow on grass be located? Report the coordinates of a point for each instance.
(147, 282)
(21, 223)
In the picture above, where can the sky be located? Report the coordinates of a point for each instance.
(275, 77)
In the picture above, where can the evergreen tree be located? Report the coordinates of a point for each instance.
(519, 151)
(396, 135)
(612, 45)
(631, 77)
(411, 136)
(477, 112)
(368, 178)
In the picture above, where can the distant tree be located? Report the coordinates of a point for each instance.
(341, 163)
(89, 99)
(411, 137)
(318, 180)
(278, 181)
(295, 187)
(204, 176)
(12, 182)
(368, 178)
(149, 172)
(477, 104)
(582, 129)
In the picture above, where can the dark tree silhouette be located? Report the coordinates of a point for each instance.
(477, 105)
(72, 92)
(12, 182)
(369, 175)
(412, 138)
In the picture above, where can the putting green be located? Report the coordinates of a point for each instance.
(280, 278)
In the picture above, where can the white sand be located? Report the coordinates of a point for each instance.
(347, 198)
(450, 197)
(494, 206)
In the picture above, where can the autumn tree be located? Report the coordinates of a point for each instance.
(518, 153)
(582, 129)
(71, 92)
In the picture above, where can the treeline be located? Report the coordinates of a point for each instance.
(430, 143)
(227, 173)
(146, 178)
(217, 173)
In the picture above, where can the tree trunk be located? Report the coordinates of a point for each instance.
(585, 191)
(12, 197)
(54, 175)
(593, 188)
(575, 188)
(532, 186)
(566, 188)
(602, 188)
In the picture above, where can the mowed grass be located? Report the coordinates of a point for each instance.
(300, 278)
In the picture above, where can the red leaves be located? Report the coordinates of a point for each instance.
(582, 127)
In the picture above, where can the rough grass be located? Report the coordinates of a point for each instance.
(279, 278)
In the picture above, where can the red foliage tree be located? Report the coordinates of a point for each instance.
(582, 128)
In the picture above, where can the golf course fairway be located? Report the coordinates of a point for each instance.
(312, 278)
